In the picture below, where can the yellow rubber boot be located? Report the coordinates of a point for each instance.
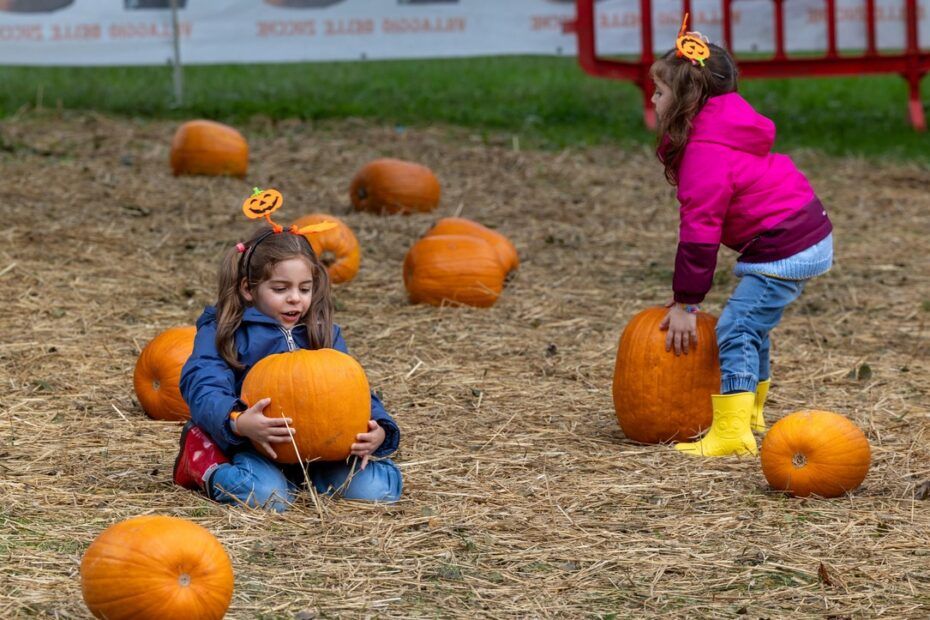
(730, 432)
(762, 392)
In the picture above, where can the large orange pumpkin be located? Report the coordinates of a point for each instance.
(456, 268)
(158, 372)
(461, 226)
(394, 186)
(658, 396)
(815, 453)
(324, 391)
(337, 247)
(210, 148)
(156, 567)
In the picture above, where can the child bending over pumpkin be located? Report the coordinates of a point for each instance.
(732, 190)
(274, 297)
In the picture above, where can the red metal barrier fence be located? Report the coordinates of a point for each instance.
(911, 62)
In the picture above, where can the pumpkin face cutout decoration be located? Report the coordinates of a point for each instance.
(262, 203)
(692, 45)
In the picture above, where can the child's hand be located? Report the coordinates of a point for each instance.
(263, 430)
(682, 329)
(368, 442)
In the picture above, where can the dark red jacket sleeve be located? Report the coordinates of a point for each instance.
(704, 193)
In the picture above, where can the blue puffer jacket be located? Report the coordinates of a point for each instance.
(211, 387)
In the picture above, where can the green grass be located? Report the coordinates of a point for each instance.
(547, 101)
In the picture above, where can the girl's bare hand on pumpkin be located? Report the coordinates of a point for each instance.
(368, 442)
(264, 431)
(682, 330)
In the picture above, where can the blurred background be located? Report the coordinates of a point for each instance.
(502, 68)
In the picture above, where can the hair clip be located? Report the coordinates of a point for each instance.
(240, 247)
(692, 45)
(263, 202)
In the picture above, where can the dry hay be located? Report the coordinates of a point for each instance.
(522, 498)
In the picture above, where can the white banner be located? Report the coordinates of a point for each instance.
(139, 32)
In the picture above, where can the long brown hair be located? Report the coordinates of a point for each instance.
(270, 250)
(691, 85)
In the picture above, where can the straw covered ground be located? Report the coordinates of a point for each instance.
(522, 497)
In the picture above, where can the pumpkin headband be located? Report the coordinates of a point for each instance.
(261, 204)
(692, 45)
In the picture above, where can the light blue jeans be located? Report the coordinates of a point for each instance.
(252, 479)
(753, 310)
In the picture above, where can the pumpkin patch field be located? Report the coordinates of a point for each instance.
(522, 496)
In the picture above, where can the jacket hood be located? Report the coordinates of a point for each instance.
(208, 316)
(730, 120)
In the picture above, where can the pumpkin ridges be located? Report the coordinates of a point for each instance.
(210, 148)
(837, 465)
(329, 400)
(298, 383)
(131, 570)
(391, 186)
(505, 249)
(456, 268)
(162, 360)
(844, 471)
(816, 429)
(647, 411)
(154, 552)
(340, 240)
(165, 602)
(834, 454)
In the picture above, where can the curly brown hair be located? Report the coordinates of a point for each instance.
(691, 85)
(271, 250)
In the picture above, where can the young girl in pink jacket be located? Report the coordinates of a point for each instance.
(732, 190)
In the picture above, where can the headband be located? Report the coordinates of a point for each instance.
(261, 204)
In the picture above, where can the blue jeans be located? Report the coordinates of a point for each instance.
(257, 481)
(754, 309)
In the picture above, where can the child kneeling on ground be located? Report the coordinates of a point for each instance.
(274, 296)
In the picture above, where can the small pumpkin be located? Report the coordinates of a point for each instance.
(394, 186)
(325, 393)
(158, 373)
(156, 567)
(815, 453)
(455, 268)
(337, 248)
(658, 396)
(209, 148)
(461, 226)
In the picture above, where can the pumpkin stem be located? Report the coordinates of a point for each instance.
(184, 580)
(362, 194)
(156, 384)
(799, 460)
(328, 258)
(256, 191)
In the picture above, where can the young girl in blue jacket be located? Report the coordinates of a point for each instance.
(274, 296)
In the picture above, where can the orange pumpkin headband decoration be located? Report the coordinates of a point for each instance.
(692, 45)
(261, 204)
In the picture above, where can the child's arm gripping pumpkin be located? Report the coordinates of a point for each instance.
(704, 191)
(262, 430)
